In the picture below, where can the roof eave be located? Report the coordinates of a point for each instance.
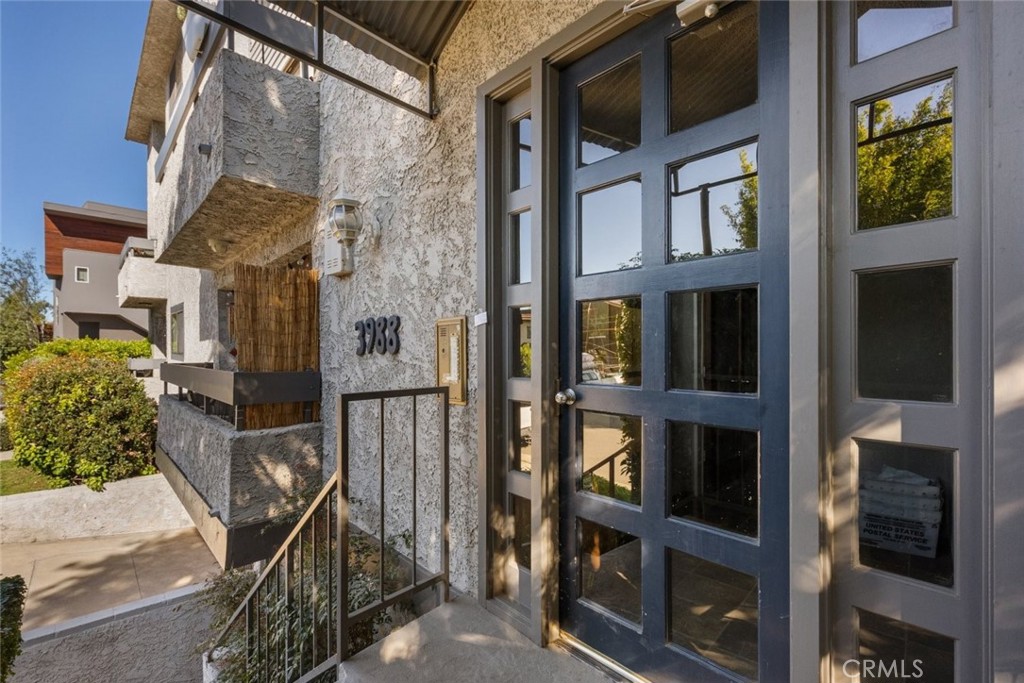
(158, 47)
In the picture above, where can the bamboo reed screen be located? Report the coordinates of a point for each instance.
(276, 320)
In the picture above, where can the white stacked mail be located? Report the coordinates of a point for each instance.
(900, 511)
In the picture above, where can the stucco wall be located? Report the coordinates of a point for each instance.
(246, 476)
(417, 254)
(77, 512)
(156, 646)
(260, 175)
(193, 287)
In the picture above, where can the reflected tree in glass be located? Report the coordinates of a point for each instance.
(905, 157)
(742, 215)
(628, 341)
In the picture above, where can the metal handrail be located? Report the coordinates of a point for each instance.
(610, 462)
(233, 390)
(294, 630)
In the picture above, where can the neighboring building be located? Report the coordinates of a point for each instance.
(745, 366)
(83, 247)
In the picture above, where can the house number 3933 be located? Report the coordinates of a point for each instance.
(378, 334)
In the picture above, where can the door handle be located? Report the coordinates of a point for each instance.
(566, 397)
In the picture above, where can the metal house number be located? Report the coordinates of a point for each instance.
(378, 334)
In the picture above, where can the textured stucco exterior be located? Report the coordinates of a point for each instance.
(260, 176)
(142, 283)
(416, 256)
(244, 476)
(78, 512)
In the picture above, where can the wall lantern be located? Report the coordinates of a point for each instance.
(344, 221)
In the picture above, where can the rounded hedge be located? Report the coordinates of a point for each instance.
(111, 348)
(80, 420)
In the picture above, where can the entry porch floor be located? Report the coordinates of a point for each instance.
(460, 642)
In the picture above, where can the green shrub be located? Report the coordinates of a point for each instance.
(5, 436)
(80, 420)
(107, 348)
(12, 605)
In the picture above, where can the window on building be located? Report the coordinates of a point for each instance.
(178, 332)
(81, 274)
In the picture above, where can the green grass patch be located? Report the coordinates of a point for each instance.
(17, 479)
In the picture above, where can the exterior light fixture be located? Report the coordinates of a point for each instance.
(344, 222)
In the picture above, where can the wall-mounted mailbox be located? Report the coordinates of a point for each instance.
(451, 358)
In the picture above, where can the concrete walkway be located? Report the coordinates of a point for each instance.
(75, 577)
(460, 642)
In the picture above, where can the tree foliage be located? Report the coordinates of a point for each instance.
(904, 174)
(907, 175)
(742, 216)
(80, 420)
(22, 303)
(12, 606)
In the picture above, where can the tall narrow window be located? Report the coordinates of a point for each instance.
(178, 332)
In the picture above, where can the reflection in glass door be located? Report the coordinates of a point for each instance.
(674, 348)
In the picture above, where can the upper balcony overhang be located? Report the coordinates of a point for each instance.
(243, 161)
(141, 283)
(407, 34)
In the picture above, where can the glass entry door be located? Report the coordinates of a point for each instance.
(673, 324)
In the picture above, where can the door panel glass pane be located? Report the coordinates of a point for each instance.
(610, 343)
(713, 340)
(609, 233)
(611, 460)
(714, 476)
(519, 247)
(713, 612)
(714, 204)
(520, 153)
(905, 510)
(521, 433)
(905, 334)
(521, 352)
(884, 25)
(714, 67)
(520, 530)
(610, 569)
(610, 113)
(906, 652)
(905, 157)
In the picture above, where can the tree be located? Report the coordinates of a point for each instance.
(22, 303)
(742, 216)
(905, 162)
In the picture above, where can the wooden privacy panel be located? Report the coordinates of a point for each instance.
(276, 322)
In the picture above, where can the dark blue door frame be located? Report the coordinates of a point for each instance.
(644, 647)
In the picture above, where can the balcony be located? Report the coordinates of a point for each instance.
(141, 282)
(239, 161)
(236, 483)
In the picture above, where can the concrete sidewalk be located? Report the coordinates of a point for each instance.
(75, 577)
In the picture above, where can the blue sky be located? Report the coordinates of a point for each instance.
(67, 70)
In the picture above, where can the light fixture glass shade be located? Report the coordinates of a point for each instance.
(345, 219)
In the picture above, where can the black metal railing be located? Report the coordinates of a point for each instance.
(226, 393)
(289, 628)
(608, 462)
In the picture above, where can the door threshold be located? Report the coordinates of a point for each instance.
(591, 657)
